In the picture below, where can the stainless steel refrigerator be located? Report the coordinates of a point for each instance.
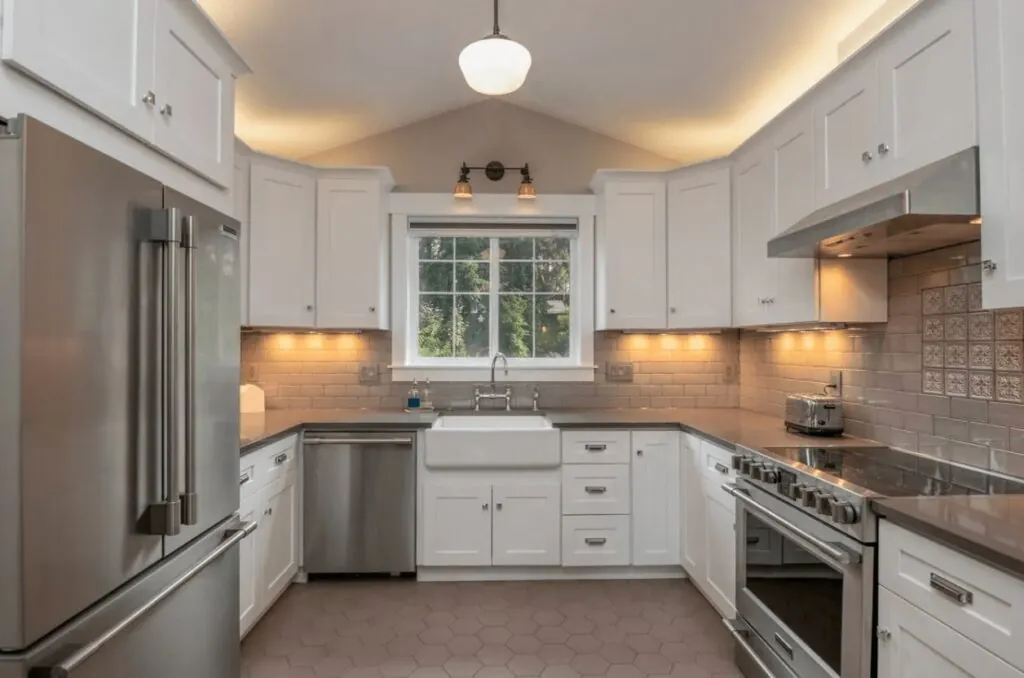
(119, 359)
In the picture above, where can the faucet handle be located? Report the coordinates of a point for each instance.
(536, 397)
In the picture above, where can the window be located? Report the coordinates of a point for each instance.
(476, 296)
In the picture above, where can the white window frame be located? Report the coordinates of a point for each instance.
(409, 208)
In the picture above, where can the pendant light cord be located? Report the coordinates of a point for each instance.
(497, 31)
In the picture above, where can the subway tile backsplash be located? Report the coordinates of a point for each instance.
(942, 377)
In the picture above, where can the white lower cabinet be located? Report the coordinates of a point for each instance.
(694, 511)
(268, 559)
(655, 498)
(595, 541)
(526, 528)
(913, 643)
(720, 551)
(481, 524)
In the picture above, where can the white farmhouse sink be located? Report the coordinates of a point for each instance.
(492, 441)
(492, 422)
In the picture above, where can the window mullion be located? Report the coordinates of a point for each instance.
(493, 301)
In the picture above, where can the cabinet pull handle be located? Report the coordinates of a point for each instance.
(784, 646)
(595, 541)
(594, 447)
(280, 459)
(244, 479)
(596, 489)
(721, 468)
(753, 540)
(950, 590)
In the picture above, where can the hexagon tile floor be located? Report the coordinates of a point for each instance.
(404, 629)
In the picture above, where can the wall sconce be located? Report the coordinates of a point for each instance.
(495, 171)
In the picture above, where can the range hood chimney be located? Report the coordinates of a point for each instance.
(935, 206)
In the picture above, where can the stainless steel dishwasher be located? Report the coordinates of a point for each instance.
(359, 511)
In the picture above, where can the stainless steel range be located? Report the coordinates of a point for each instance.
(806, 536)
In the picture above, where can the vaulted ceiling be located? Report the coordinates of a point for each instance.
(687, 79)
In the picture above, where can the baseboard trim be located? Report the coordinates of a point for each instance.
(453, 574)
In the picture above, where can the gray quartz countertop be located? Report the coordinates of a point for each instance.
(984, 526)
(730, 427)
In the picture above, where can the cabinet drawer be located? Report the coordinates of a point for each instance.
(990, 608)
(589, 489)
(595, 447)
(592, 541)
(716, 464)
(274, 461)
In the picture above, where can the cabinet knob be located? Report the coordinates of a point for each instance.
(498, 506)
(486, 506)
(309, 307)
(639, 453)
(373, 309)
(611, 310)
(269, 512)
(866, 156)
(167, 110)
(884, 634)
(883, 148)
(672, 309)
(988, 266)
(150, 98)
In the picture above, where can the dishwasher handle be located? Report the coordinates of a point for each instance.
(357, 441)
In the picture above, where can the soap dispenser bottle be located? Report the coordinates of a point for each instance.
(413, 402)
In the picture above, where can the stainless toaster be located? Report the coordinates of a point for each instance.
(814, 414)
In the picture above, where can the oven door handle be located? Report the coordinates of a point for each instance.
(835, 554)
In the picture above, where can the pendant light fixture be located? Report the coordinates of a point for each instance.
(495, 65)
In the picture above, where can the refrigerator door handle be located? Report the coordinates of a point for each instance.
(190, 497)
(64, 668)
(165, 229)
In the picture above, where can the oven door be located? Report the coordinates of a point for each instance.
(805, 588)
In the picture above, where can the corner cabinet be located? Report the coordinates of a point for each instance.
(999, 25)
(699, 226)
(352, 250)
(157, 69)
(630, 236)
(282, 244)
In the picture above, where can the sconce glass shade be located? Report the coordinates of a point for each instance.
(463, 190)
(527, 192)
(495, 65)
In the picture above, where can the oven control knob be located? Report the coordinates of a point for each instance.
(844, 513)
(770, 476)
(746, 466)
(810, 497)
(824, 506)
(796, 492)
(757, 471)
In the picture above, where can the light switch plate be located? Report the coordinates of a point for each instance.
(619, 372)
(835, 380)
(369, 374)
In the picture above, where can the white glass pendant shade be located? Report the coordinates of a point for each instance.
(495, 65)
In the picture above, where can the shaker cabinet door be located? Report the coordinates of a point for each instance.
(753, 273)
(720, 545)
(249, 597)
(96, 52)
(279, 545)
(655, 498)
(456, 524)
(527, 524)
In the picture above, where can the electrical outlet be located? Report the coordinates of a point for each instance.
(251, 374)
(730, 373)
(836, 381)
(619, 372)
(369, 374)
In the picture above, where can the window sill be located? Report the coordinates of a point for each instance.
(477, 374)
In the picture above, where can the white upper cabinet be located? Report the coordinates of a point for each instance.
(1000, 49)
(753, 273)
(631, 282)
(97, 52)
(792, 155)
(656, 498)
(157, 69)
(846, 121)
(352, 239)
(927, 98)
(195, 88)
(282, 244)
(908, 99)
(240, 194)
(699, 225)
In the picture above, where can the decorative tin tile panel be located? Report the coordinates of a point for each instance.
(982, 357)
(956, 328)
(981, 326)
(1009, 356)
(956, 355)
(974, 297)
(1009, 325)
(981, 385)
(956, 383)
(1009, 387)
(932, 301)
(956, 299)
(934, 382)
(934, 329)
(934, 354)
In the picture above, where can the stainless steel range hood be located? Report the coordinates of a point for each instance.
(935, 206)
